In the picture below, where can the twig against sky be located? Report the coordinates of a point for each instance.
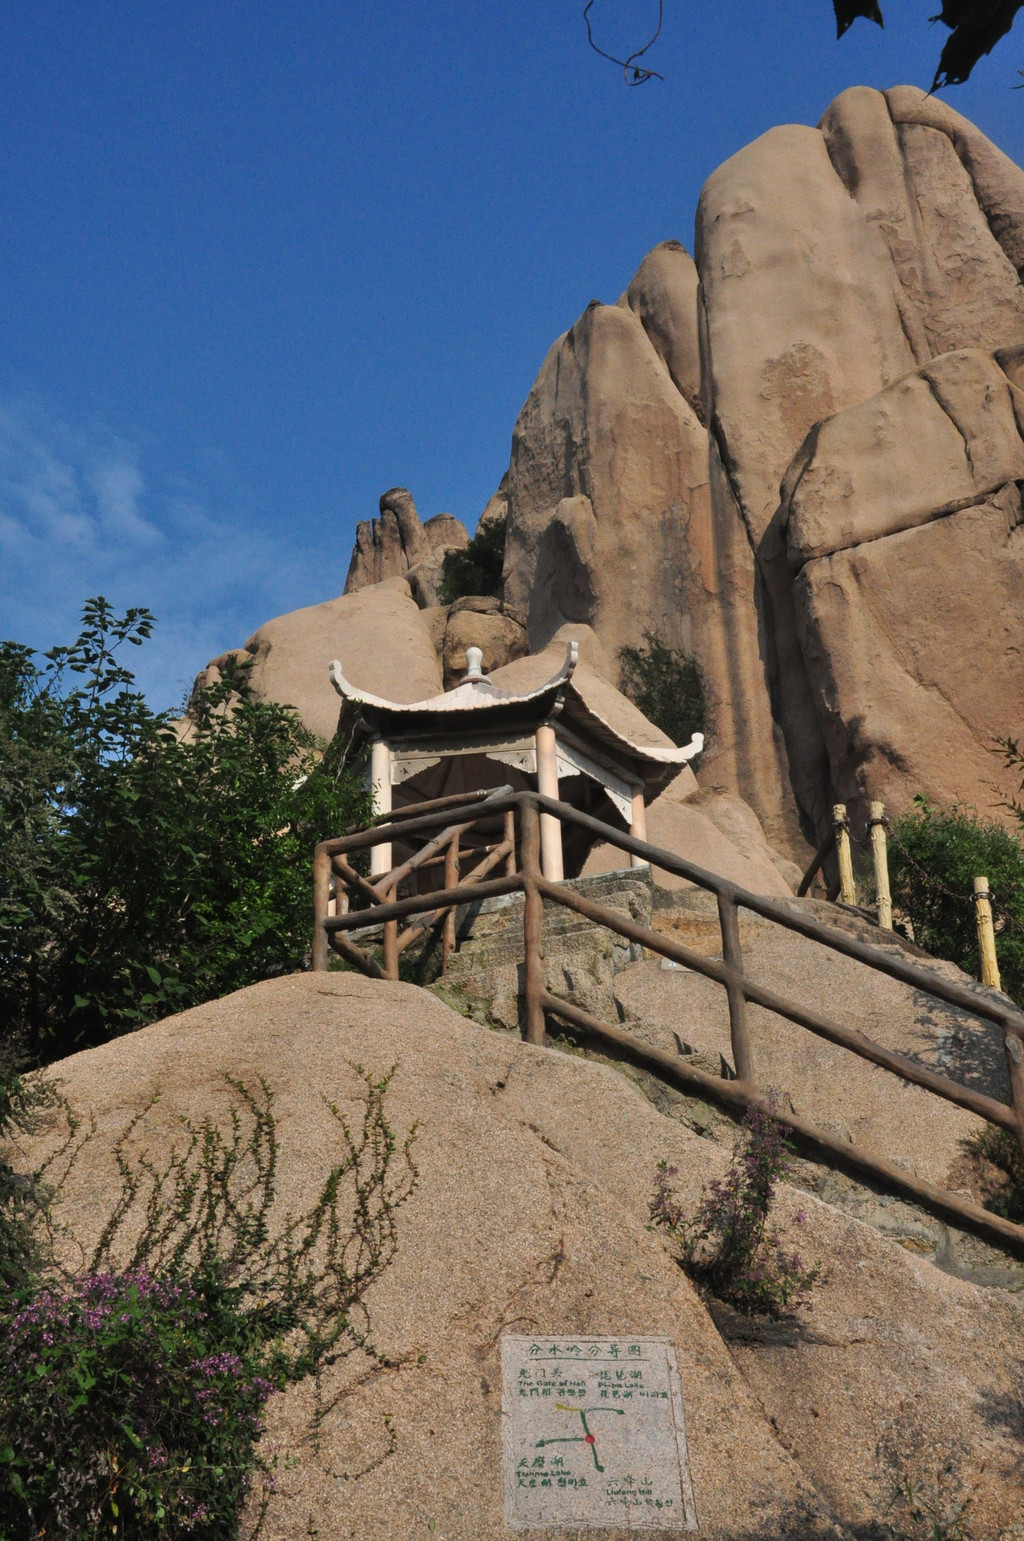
(634, 74)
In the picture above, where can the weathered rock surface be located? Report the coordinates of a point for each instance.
(715, 831)
(909, 700)
(609, 469)
(378, 635)
(663, 293)
(486, 623)
(858, 324)
(535, 1174)
(399, 545)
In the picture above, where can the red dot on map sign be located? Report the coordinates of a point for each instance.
(590, 1439)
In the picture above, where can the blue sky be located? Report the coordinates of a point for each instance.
(260, 261)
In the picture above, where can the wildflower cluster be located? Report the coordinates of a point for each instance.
(727, 1245)
(132, 1396)
(132, 1408)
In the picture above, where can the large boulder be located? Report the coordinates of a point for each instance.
(531, 1214)
(378, 635)
(485, 623)
(714, 830)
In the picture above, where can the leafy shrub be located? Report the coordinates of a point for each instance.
(668, 687)
(154, 1391)
(934, 857)
(23, 1197)
(140, 874)
(477, 568)
(132, 1397)
(727, 1245)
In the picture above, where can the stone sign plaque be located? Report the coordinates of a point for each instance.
(593, 1435)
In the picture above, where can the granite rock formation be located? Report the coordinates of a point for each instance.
(799, 457)
(400, 545)
(380, 634)
(607, 486)
(850, 333)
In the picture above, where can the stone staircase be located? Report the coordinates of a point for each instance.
(484, 975)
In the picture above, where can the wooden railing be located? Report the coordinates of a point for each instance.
(508, 812)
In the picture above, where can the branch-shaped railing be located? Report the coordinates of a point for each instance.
(454, 818)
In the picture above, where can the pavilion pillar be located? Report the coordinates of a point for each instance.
(638, 826)
(547, 785)
(380, 793)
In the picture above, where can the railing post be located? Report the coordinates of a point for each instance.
(533, 923)
(380, 791)
(391, 949)
(547, 785)
(847, 887)
(986, 934)
(451, 878)
(510, 839)
(1013, 1046)
(321, 950)
(732, 957)
(880, 856)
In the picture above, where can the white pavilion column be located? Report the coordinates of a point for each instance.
(380, 792)
(547, 785)
(638, 826)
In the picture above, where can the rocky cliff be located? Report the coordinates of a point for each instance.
(799, 455)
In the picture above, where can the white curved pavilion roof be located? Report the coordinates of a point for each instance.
(479, 697)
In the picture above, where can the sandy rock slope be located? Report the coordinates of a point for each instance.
(535, 1170)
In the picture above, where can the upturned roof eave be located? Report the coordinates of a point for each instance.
(487, 706)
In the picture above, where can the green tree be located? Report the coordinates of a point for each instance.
(143, 870)
(667, 685)
(476, 569)
(934, 857)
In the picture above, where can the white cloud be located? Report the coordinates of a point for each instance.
(84, 512)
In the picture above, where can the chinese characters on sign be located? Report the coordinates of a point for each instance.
(593, 1434)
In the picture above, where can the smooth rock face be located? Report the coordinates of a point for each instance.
(398, 545)
(938, 440)
(535, 1175)
(859, 322)
(663, 293)
(609, 470)
(713, 830)
(376, 633)
(908, 701)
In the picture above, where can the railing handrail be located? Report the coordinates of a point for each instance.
(1005, 1015)
(729, 973)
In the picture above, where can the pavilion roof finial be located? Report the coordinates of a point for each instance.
(474, 666)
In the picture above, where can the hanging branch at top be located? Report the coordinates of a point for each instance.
(634, 74)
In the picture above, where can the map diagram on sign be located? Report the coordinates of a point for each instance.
(593, 1434)
(586, 1437)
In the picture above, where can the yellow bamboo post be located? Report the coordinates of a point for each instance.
(986, 934)
(880, 856)
(847, 887)
(451, 878)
